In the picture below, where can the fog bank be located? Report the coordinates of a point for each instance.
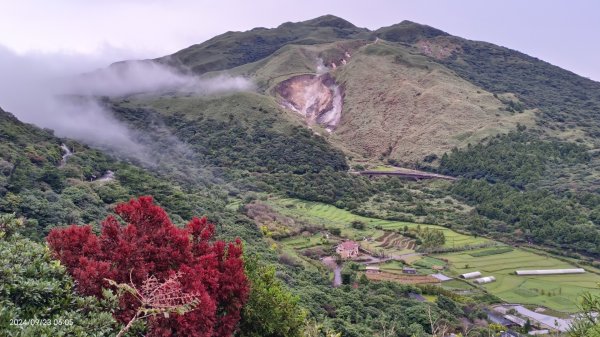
(58, 91)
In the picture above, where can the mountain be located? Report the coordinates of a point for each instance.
(330, 95)
(399, 94)
(237, 48)
(314, 154)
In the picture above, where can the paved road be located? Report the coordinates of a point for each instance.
(337, 270)
(550, 321)
(375, 260)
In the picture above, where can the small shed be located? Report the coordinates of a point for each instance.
(470, 275)
(409, 270)
(373, 270)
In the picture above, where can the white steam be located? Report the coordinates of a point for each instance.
(321, 68)
(48, 90)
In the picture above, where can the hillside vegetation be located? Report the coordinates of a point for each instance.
(566, 101)
(237, 48)
(402, 107)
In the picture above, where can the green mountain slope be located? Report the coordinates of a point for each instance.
(37, 183)
(243, 131)
(397, 104)
(237, 48)
(567, 102)
(411, 95)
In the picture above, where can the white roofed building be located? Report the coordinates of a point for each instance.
(550, 271)
(471, 275)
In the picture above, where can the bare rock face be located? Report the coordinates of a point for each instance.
(317, 97)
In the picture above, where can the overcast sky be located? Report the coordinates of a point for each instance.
(564, 33)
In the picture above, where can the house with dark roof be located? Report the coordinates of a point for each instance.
(409, 270)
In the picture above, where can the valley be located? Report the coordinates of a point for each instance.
(328, 226)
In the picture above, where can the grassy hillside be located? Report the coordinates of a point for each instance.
(407, 32)
(400, 106)
(409, 96)
(237, 48)
(566, 101)
(245, 131)
(295, 59)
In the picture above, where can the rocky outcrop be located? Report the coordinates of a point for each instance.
(316, 97)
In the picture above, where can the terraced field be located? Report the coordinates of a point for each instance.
(333, 217)
(300, 242)
(403, 278)
(558, 292)
(395, 240)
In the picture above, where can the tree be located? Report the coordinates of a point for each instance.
(36, 287)
(357, 224)
(147, 246)
(271, 310)
(445, 303)
(9, 224)
(587, 324)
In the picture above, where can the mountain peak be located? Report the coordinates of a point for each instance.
(330, 21)
(408, 32)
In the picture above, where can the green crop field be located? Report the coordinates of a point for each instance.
(558, 292)
(332, 217)
(301, 242)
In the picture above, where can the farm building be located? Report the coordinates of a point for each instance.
(483, 280)
(550, 271)
(372, 269)
(471, 275)
(347, 249)
(409, 270)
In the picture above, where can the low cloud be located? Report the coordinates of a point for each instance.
(126, 78)
(58, 91)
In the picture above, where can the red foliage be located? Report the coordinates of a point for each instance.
(150, 245)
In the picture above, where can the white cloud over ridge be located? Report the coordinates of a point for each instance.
(50, 91)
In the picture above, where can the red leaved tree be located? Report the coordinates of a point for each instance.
(149, 245)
